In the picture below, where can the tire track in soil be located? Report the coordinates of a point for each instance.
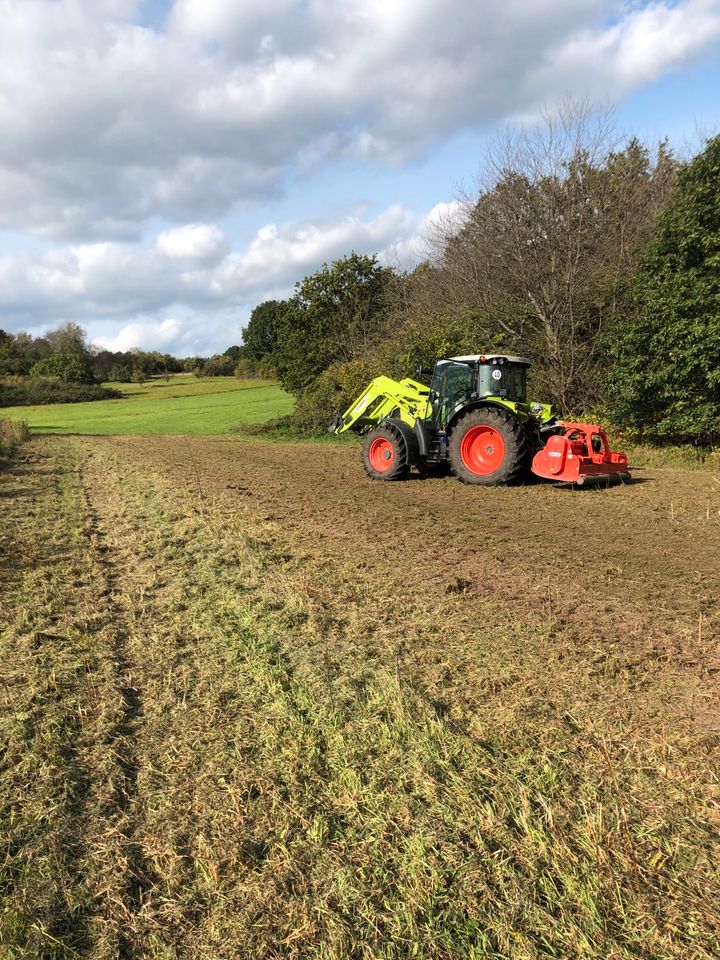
(126, 877)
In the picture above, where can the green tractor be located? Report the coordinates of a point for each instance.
(474, 416)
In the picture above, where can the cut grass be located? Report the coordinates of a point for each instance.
(180, 405)
(371, 724)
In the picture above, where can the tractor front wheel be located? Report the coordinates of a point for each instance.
(489, 447)
(385, 453)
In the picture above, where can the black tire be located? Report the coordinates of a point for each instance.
(498, 454)
(385, 453)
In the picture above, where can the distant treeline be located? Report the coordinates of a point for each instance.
(64, 353)
(599, 261)
(61, 367)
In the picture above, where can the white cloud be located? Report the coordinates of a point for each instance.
(149, 335)
(106, 124)
(199, 243)
(639, 48)
(422, 243)
(280, 255)
(190, 268)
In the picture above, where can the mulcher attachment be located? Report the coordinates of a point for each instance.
(580, 454)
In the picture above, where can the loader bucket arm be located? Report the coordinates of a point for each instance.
(382, 398)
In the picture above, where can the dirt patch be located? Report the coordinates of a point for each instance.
(630, 577)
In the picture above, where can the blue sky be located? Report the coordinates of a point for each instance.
(165, 166)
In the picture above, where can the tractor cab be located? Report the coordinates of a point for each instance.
(458, 381)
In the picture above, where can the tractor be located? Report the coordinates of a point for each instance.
(475, 417)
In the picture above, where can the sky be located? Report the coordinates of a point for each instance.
(166, 166)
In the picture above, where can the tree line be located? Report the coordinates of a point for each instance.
(598, 260)
(65, 354)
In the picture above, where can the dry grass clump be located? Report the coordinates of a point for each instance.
(12, 432)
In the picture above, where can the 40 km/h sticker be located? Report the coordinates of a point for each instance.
(497, 374)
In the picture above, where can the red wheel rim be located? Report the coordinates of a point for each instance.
(381, 454)
(482, 449)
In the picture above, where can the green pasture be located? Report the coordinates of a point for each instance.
(182, 405)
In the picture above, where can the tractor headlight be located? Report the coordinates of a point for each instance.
(536, 409)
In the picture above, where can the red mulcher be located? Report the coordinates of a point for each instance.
(579, 454)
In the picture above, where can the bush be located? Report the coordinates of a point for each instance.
(27, 391)
(121, 373)
(219, 366)
(248, 369)
(331, 392)
(245, 369)
(67, 367)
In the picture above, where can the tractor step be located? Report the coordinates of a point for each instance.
(579, 455)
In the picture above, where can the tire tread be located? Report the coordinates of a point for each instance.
(514, 468)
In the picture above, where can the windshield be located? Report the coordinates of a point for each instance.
(452, 382)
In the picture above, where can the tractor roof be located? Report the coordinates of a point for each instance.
(489, 357)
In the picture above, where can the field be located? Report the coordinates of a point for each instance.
(257, 706)
(181, 405)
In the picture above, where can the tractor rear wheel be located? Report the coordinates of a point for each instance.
(385, 453)
(489, 447)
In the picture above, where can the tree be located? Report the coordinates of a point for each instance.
(18, 352)
(234, 353)
(665, 369)
(121, 372)
(219, 366)
(260, 337)
(69, 339)
(68, 367)
(103, 362)
(543, 255)
(335, 314)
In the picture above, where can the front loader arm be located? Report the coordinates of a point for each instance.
(382, 398)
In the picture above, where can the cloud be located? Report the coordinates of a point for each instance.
(108, 124)
(280, 255)
(190, 272)
(430, 231)
(148, 335)
(198, 243)
(638, 49)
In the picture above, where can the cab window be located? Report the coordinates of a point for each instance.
(452, 382)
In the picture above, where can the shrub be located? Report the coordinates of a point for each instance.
(331, 392)
(68, 367)
(27, 391)
(249, 369)
(121, 373)
(219, 366)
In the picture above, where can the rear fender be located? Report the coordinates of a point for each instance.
(476, 405)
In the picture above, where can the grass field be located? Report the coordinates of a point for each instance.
(181, 405)
(257, 706)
